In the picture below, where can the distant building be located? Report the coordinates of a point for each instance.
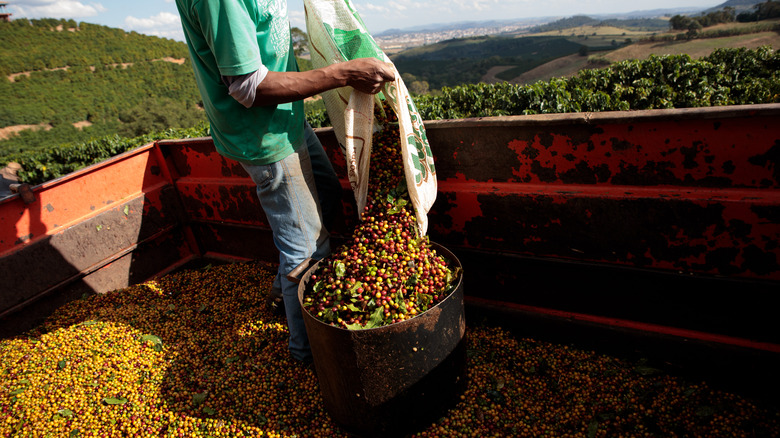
(4, 15)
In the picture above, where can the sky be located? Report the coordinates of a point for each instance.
(160, 17)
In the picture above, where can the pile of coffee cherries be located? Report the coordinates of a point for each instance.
(386, 272)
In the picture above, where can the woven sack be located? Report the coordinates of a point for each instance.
(337, 34)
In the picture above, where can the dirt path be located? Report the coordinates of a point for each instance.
(9, 131)
(490, 76)
(12, 77)
(696, 48)
(561, 67)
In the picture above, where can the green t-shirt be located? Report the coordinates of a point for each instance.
(232, 38)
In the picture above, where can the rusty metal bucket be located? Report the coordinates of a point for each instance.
(393, 379)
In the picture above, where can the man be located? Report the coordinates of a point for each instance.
(252, 92)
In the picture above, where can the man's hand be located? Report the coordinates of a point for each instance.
(367, 74)
(364, 74)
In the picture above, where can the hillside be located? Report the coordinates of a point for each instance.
(649, 44)
(696, 48)
(564, 43)
(51, 43)
(465, 60)
(571, 24)
(69, 82)
(738, 5)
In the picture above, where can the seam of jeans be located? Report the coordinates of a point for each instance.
(296, 202)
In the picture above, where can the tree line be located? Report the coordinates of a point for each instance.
(762, 11)
(684, 22)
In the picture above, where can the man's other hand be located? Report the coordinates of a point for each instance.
(367, 74)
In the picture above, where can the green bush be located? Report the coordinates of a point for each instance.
(726, 77)
(52, 163)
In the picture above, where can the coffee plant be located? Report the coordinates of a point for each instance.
(725, 77)
(51, 163)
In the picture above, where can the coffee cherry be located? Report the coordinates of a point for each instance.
(197, 353)
(385, 250)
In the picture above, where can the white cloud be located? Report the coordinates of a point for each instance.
(173, 34)
(34, 3)
(370, 7)
(57, 9)
(475, 5)
(164, 24)
(163, 19)
(297, 19)
(397, 6)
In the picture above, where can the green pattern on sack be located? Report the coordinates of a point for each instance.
(338, 34)
(354, 44)
(418, 159)
(418, 140)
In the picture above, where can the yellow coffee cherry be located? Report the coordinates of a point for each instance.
(196, 354)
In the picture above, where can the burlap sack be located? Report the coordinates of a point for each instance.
(337, 34)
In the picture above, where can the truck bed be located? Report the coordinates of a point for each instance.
(628, 230)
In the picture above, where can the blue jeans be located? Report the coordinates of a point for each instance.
(290, 192)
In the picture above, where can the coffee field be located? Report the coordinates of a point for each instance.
(198, 354)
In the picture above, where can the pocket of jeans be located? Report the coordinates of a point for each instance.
(260, 174)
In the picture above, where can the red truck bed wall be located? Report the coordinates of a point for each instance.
(105, 227)
(665, 221)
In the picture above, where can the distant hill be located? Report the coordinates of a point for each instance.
(532, 21)
(563, 47)
(466, 60)
(565, 23)
(731, 35)
(502, 57)
(650, 13)
(577, 21)
(461, 25)
(68, 82)
(738, 5)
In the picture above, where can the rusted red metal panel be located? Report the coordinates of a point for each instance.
(654, 218)
(216, 191)
(87, 224)
(212, 187)
(664, 220)
(72, 199)
(693, 191)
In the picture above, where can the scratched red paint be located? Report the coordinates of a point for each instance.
(661, 151)
(698, 196)
(692, 195)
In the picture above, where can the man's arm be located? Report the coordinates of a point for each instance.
(364, 74)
